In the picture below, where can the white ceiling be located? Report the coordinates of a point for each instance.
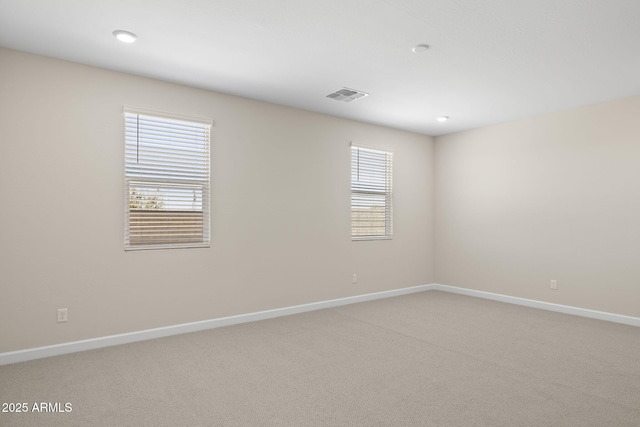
(490, 60)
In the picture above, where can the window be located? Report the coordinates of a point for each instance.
(166, 181)
(371, 194)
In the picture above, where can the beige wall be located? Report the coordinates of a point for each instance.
(516, 204)
(280, 191)
(550, 197)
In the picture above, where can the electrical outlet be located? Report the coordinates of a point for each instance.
(63, 315)
(553, 284)
(354, 278)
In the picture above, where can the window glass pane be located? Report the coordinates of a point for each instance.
(371, 194)
(167, 182)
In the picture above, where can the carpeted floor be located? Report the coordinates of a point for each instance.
(425, 359)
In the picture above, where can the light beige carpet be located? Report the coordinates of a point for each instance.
(426, 359)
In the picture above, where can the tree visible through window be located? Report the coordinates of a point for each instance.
(167, 182)
(371, 194)
(145, 201)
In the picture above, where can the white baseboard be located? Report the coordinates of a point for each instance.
(94, 343)
(576, 311)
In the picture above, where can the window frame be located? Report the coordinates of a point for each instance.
(158, 175)
(378, 169)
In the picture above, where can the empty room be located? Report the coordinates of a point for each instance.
(320, 213)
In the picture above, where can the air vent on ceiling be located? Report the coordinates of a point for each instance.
(347, 95)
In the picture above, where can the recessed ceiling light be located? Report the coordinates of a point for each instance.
(125, 36)
(420, 48)
(442, 118)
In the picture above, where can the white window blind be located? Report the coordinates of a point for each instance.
(371, 194)
(166, 181)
